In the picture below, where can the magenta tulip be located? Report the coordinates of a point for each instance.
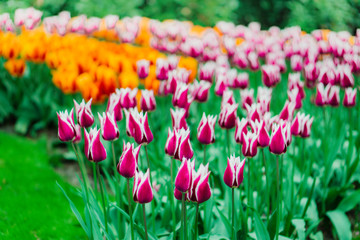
(128, 161)
(183, 178)
(240, 130)
(184, 148)
(147, 100)
(206, 129)
(227, 116)
(234, 172)
(77, 138)
(180, 98)
(84, 115)
(94, 149)
(349, 97)
(142, 191)
(247, 97)
(171, 143)
(249, 146)
(109, 128)
(334, 96)
(143, 68)
(162, 69)
(200, 91)
(66, 129)
(137, 126)
(114, 106)
(178, 117)
(206, 71)
(278, 140)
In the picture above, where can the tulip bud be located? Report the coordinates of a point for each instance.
(234, 172)
(199, 188)
(306, 126)
(200, 91)
(178, 117)
(227, 116)
(334, 96)
(66, 129)
(227, 98)
(296, 63)
(206, 129)
(270, 75)
(142, 191)
(183, 177)
(241, 81)
(240, 59)
(247, 97)
(321, 94)
(127, 97)
(287, 112)
(249, 147)
(311, 74)
(349, 97)
(253, 112)
(263, 138)
(143, 68)
(184, 149)
(162, 68)
(295, 97)
(114, 106)
(327, 75)
(94, 149)
(221, 85)
(84, 115)
(296, 124)
(180, 98)
(128, 161)
(137, 126)
(253, 61)
(240, 130)
(147, 100)
(346, 77)
(278, 140)
(77, 138)
(171, 143)
(109, 128)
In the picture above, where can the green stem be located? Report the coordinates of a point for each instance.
(185, 218)
(249, 192)
(196, 221)
(130, 209)
(204, 159)
(152, 202)
(95, 180)
(266, 187)
(309, 198)
(172, 199)
(278, 197)
(102, 195)
(117, 185)
(233, 213)
(228, 141)
(83, 174)
(144, 215)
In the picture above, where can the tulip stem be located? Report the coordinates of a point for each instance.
(144, 215)
(248, 192)
(204, 159)
(228, 140)
(130, 210)
(266, 187)
(83, 174)
(233, 213)
(278, 197)
(152, 202)
(183, 235)
(117, 185)
(196, 221)
(102, 195)
(95, 180)
(172, 199)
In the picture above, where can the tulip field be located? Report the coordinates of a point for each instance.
(181, 131)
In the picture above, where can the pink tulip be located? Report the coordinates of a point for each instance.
(199, 188)
(278, 140)
(110, 21)
(109, 128)
(173, 61)
(311, 74)
(200, 91)
(220, 85)
(127, 97)
(240, 59)
(180, 98)
(334, 96)
(287, 113)
(306, 124)
(162, 68)
(183, 177)
(66, 129)
(163, 89)
(147, 100)
(242, 81)
(296, 63)
(137, 126)
(295, 82)
(295, 97)
(227, 116)
(206, 129)
(178, 117)
(206, 71)
(171, 143)
(253, 61)
(263, 138)
(270, 75)
(240, 130)
(84, 115)
(142, 191)
(77, 138)
(327, 75)
(143, 68)
(321, 94)
(227, 98)
(114, 106)
(247, 97)
(249, 145)
(296, 124)
(346, 77)
(94, 149)
(184, 149)
(253, 112)
(128, 161)
(349, 97)
(234, 172)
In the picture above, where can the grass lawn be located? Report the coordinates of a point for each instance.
(31, 204)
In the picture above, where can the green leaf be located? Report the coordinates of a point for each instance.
(225, 221)
(341, 223)
(271, 227)
(349, 202)
(260, 230)
(299, 225)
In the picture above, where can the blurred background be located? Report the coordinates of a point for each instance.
(337, 15)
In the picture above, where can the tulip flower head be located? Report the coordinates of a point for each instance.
(220, 85)
(249, 146)
(137, 126)
(247, 97)
(184, 148)
(127, 97)
(206, 71)
(147, 100)
(66, 129)
(94, 149)
(349, 97)
(109, 128)
(234, 172)
(77, 138)
(253, 112)
(171, 143)
(270, 75)
(142, 191)
(240, 130)
(227, 98)
(114, 106)
(180, 98)
(200, 91)
(84, 115)
(334, 96)
(306, 124)
(178, 117)
(260, 128)
(183, 178)
(278, 139)
(227, 116)
(162, 69)
(206, 129)
(322, 94)
(200, 190)
(128, 161)
(143, 68)
(287, 112)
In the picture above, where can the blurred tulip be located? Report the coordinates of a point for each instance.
(253, 61)
(94, 149)
(127, 97)
(321, 94)
(227, 98)
(287, 113)
(270, 75)
(200, 91)
(173, 61)
(296, 62)
(180, 98)
(137, 126)
(84, 115)
(128, 162)
(247, 97)
(346, 77)
(349, 97)
(311, 74)
(143, 68)
(253, 112)
(334, 96)
(178, 117)
(114, 106)
(249, 145)
(241, 130)
(77, 138)
(142, 191)
(206, 71)
(171, 143)
(220, 85)
(162, 68)
(206, 129)
(184, 149)
(147, 100)
(234, 172)
(306, 124)
(227, 116)
(109, 128)
(66, 126)
(295, 97)
(263, 138)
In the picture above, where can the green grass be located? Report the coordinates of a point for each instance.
(31, 204)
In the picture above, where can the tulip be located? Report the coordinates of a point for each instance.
(206, 129)
(227, 98)
(173, 61)
(296, 63)
(295, 82)
(200, 91)
(128, 161)
(114, 106)
(127, 97)
(206, 71)
(253, 112)
(163, 89)
(334, 96)
(311, 74)
(306, 126)
(234, 172)
(240, 59)
(171, 143)
(227, 116)
(278, 140)
(137, 126)
(221, 85)
(242, 81)
(111, 21)
(183, 177)
(77, 138)
(287, 112)
(295, 97)
(349, 97)
(327, 75)
(270, 75)
(184, 149)
(94, 149)
(147, 100)
(162, 68)
(178, 117)
(109, 128)
(142, 191)
(247, 97)
(180, 98)
(253, 61)
(66, 130)
(296, 124)
(200, 190)
(249, 147)
(321, 94)
(263, 138)
(240, 130)
(84, 115)
(346, 76)
(143, 68)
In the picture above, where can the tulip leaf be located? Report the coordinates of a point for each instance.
(349, 202)
(341, 223)
(225, 221)
(271, 227)
(260, 230)
(299, 225)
